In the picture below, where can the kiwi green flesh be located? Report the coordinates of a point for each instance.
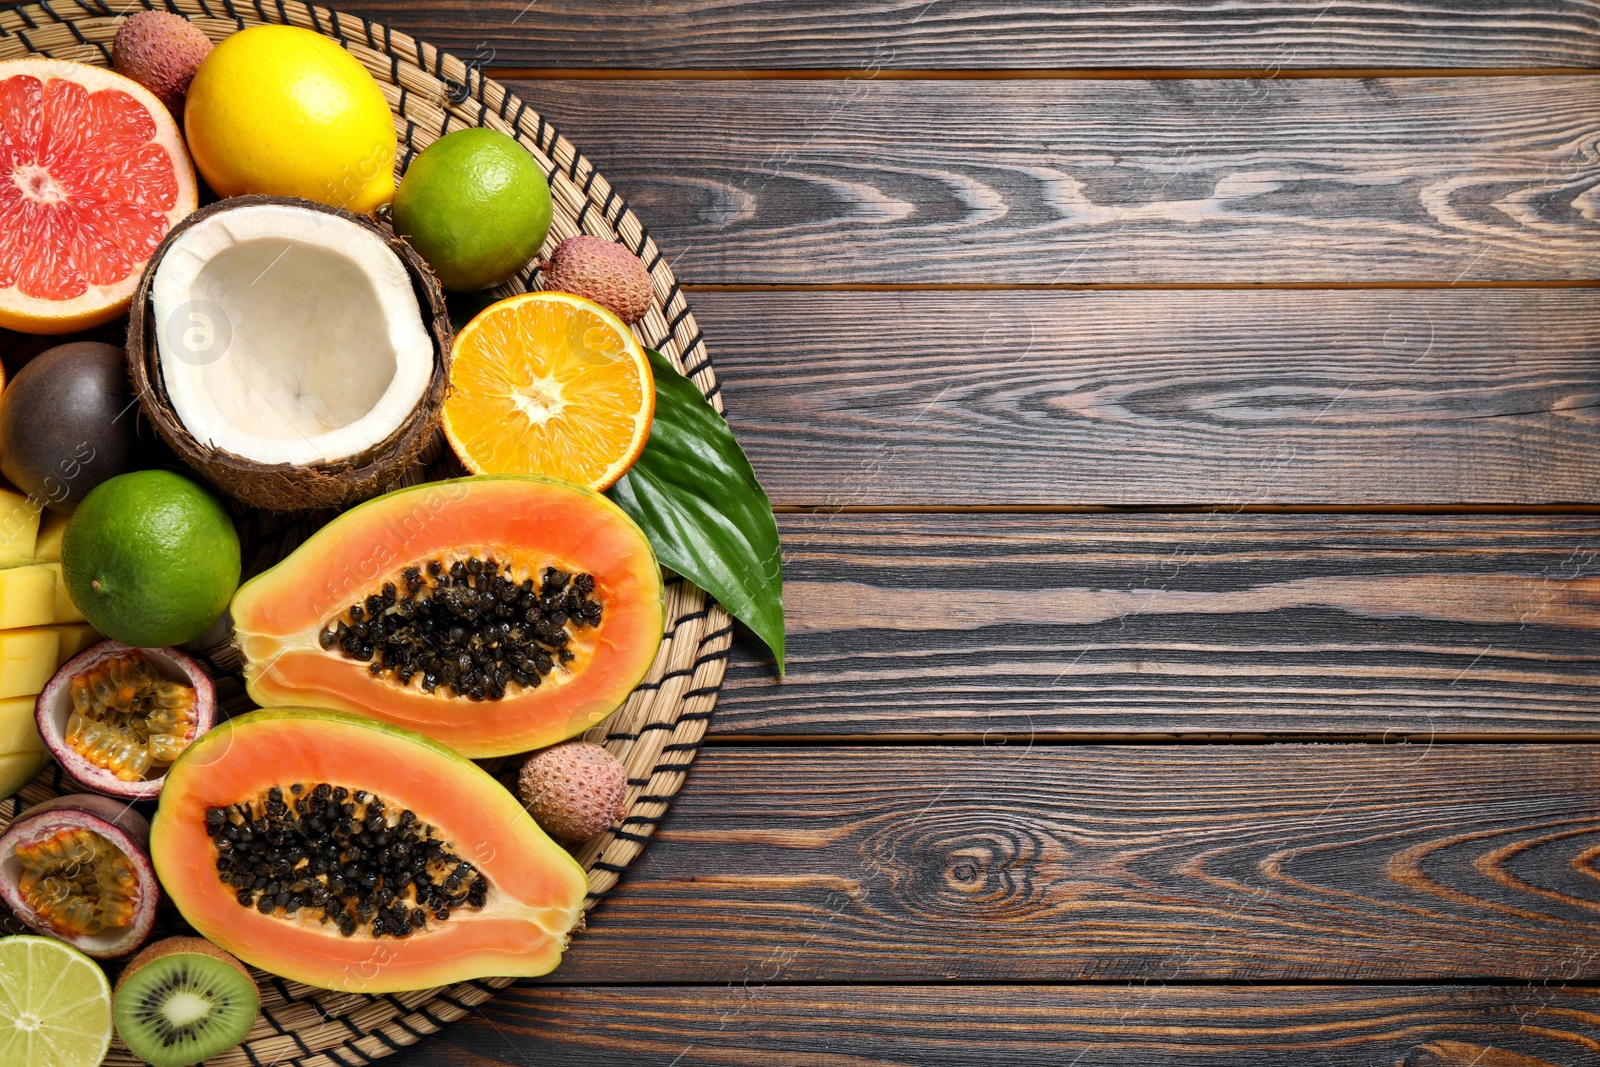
(182, 1008)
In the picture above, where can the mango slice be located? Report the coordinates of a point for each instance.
(18, 768)
(65, 609)
(27, 596)
(48, 546)
(19, 528)
(75, 637)
(18, 732)
(28, 658)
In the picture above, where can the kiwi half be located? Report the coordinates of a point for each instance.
(183, 1000)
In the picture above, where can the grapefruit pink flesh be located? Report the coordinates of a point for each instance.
(93, 175)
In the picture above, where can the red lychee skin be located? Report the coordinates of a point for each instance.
(602, 271)
(574, 791)
(160, 51)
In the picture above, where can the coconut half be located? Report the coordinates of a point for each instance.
(294, 354)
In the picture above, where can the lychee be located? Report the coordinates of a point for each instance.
(602, 271)
(575, 790)
(160, 51)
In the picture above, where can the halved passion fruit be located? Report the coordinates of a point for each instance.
(349, 854)
(115, 717)
(495, 614)
(78, 868)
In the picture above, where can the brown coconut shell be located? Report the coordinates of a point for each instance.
(287, 486)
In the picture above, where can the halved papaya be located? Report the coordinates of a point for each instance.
(350, 854)
(493, 614)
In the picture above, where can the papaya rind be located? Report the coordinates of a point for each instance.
(553, 714)
(264, 941)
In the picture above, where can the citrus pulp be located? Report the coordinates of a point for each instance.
(552, 384)
(95, 174)
(55, 1004)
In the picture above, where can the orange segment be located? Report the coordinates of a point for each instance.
(552, 384)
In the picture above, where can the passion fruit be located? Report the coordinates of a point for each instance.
(115, 717)
(68, 423)
(78, 868)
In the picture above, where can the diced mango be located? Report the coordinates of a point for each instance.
(29, 596)
(65, 610)
(18, 769)
(48, 546)
(19, 528)
(75, 637)
(27, 659)
(18, 731)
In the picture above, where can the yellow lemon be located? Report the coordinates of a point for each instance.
(287, 112)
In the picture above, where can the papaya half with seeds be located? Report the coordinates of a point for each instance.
(495, 614)
(349, 854)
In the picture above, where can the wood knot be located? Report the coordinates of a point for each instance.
(952, 866)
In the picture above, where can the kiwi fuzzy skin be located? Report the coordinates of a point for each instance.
(173, 945)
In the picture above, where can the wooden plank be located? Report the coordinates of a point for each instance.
(1244, 398)
(1024, 1026)
(1209, 625)
(1046, 182)
(1126, 864)
(888, 34)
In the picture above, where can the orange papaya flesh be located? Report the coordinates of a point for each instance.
(527, 525)
(533, 890)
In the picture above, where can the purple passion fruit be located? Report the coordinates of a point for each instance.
(115, 717)
(78, 868)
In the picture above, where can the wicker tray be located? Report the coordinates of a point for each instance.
(657, 732)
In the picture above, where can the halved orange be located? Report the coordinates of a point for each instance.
(552, 384)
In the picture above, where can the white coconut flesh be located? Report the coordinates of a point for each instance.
(288, 335)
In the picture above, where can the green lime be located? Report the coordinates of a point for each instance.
(150, 558)
(476, 206)
(55, 1005)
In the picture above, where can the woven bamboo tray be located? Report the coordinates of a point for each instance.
(659, 729)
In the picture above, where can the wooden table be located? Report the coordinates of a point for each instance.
(1185, 421)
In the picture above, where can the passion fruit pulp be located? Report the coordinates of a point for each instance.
(115, 717)
(82, 881)
(125, 716)
(78, 868)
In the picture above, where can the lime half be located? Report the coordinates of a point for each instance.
(55, 1005)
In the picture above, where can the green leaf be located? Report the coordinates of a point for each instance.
(693, 493)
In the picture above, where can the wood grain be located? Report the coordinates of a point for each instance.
(1164, 398)
(1124, 864)
(1025, 1026)
(1211, 625)
(869, 34)
(1047, 182)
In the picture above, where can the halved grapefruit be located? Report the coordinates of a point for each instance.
(93, 173)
